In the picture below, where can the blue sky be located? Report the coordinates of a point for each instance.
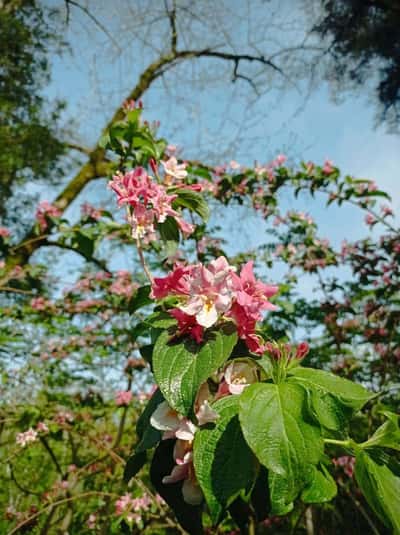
(204, 116)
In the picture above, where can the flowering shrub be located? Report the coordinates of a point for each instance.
(244, 427)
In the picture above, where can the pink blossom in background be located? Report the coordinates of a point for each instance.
(234, 165)
(4, 232)
(123, 285)
(91, 521)
(22, 439)
(328, 168)
(42, 427)
(44, 210)
(123, 397)
(370, 219)
(40, 303)
(386, 210)
(90, 211)
(279, 160)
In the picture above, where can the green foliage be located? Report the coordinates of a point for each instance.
(31, 147)
(225, 466)
(273, 424)
(180, 367)
(381, 488)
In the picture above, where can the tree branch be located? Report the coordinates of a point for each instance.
(172, 21)
(97, 166)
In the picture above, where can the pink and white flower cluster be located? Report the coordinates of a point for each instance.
(209, 293)
(177, 426)
(131, 508)
(44, 211)
(31, 435)
(148, 203)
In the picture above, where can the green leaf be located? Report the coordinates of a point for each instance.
(387, 435)
(194, 202)
(322, 488)
(169, 230)
(148, 435)
(181, 367)
(350, 394)
(328, 410)
(272, 420)
(189, 516)
(133, 465)
(225, 466)
(381, 488)
(140, 299)
(84, 244)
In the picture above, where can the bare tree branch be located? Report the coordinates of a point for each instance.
(93, 18)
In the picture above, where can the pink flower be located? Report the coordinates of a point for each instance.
(328, 167)
(25, 438)
(234, 165)
(90, 211)
(370, 219)
(42, 427)
(240, 374)
(123, 397)
(302, 350)
(251, 294)
(191, 491)
(123, 285)
(184, 471)
(386, 210)
(209, 293)
(188, 325)
(279, 160)
(173, 169)
(204, 412)
(175, 283)
(91, 521)
(4, 232)
(44, 211)
(173, 424)
(40, 304)
(149, 203)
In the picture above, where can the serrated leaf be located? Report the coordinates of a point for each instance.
(328, 410)
(381, 489)
(181, 367)
(189, 516)
(387, 435)
(133, 465)
(351, 394)
(272, 420)
(322, 488)
(194, 202)
(225, 466)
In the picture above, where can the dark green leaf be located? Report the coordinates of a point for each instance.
(133, 465)
(169, 230)
(225, 466)
(140, 299)
(181, 367)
